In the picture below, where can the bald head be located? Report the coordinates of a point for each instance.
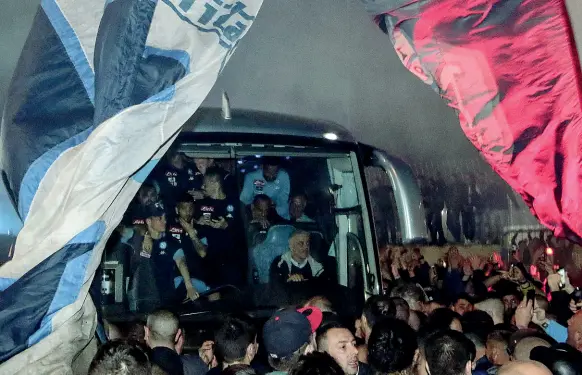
(525, 346)
(575, 331)
(524, 368)
(494, 307)
(162, 328)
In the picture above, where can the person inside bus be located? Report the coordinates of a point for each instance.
(166, 255)
(263, 217)
(202, 165)
(146, 195)
(297, 205)
(296, 265)
(175, 176)
(183, 228)
(270, 180)
(218, 220)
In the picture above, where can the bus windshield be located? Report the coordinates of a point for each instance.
(249, 225)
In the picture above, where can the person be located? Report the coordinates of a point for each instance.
(146, 195)
(236, 342)
(297, 205)
(239, 369)
(392, 347)
(121, 357)
(296, 265)
(174, 177)
(182, 227)
(524, 368)
(575, 331)
(165, 254)
(494, 307)
(523, 348)
(447, 352)
(316, 363)
(218, 220)
(270, 180)
(481, 364)
(164, 337)
(336, 340)
(322, 303)
(443, 318)
(497, 346)
(478, 322)
(462, 304)
(288, 334)
(263, 216)
(412, 294)
(376, 309)
(202, 165)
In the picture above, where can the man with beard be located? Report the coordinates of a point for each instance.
(338, 341)
(270, 180)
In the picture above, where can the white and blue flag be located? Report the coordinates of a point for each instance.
(100, 91)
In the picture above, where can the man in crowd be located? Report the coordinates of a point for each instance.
(165, 254)
(174, 176)
(296, 265)
(288, 334)
(263, 216)
(375, 310)
(497, 347)
(337, 340)
(270, 180)
(236, 342)
(524, 368)
(575, 331)
(412, 294)
(164, 336)
(120, 357)
(481, 363)
(447, 353)
(218, 220)
(392, 347)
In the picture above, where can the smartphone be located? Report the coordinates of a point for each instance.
(531, 295)
(562, 274)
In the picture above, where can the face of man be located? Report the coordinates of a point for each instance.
(202, 164)
(211, 186)
(510, 302)
(147, 195)
(299, 245)
(297, 206)
(260, 209)
(177, 160)
(462, 306)
(185, 210)
(341, 345)
(575, 331)
(270, 172)
(157, 223)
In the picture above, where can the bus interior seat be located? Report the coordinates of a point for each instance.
(317, 246)
(143, 294)
(276, 243)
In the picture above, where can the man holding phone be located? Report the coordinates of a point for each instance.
(531, 310)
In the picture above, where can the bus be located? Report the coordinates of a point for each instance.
(355, 199)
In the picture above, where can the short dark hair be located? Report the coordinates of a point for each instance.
(377, 308)
(316, 363)
(410, 292)
(262, 197)
(324, 328)
(272, 160)
(441, 319)
(447, 352)
(476, 339)
(391, 346)
(117, 355)
(501, 336)
(478, 322)
(401, 308)
(233, 338)
(239, 369)
(216, 174)
(184, 198)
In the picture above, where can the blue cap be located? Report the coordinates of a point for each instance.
(287, 330)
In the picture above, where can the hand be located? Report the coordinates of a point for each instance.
(524, 313)
(395, 272)
(295, 278)
(575, 307)
(467, 270)
(191, 293)
(539, 317)
(196, 194)
(264, 223)
(206, 352)
(204, 221)
(475, 262)
(148, 243)
(219, 224)
(188, 227)
(553, 282)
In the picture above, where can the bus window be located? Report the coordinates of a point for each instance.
(383, 207)
(253, 229)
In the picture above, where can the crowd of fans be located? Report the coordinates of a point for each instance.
(460, 316)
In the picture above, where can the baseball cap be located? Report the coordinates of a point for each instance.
(153, 210)
(289, 329)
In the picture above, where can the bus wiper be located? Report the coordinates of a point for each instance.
(348, 210)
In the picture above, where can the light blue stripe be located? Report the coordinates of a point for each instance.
(38, 168)
(72, 46)
(179, 55)
(5, 282)
(141, 175)
(71, 281)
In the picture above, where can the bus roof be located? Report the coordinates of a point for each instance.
(210, 120)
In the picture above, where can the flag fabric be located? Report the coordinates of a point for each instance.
(511, 70)
(100, 91)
